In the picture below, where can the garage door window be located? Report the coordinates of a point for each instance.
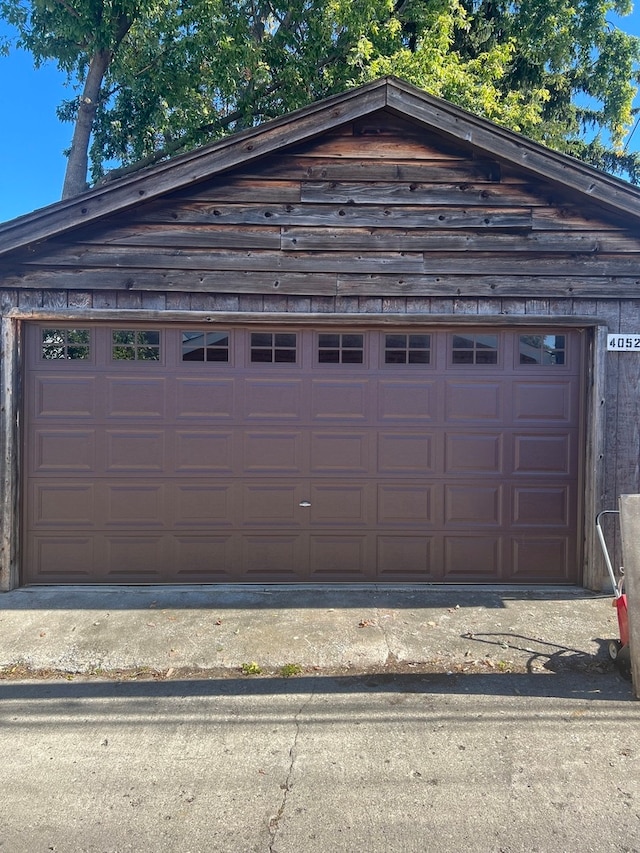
(205, 346)
(407, 349)
(66, 344)
(474, 349)
(135, 345)
(273, 348)
(340, 349)
(542, 349)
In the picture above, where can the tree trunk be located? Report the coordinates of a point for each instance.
(75, 178)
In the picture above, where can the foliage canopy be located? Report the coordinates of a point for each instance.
(155, 77)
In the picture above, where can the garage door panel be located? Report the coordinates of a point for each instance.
(204, 452)
(134, 504)
(402, 557)
(135, 558)
(542, 506)
(408, 453)
(542, 557)
(340, 504)
(211, 398)
(268, 556)
(545, 454)
(474, 453)
(340, 452)
(63, 504)
(538, 401)
(65, 396)
(473, 505)
(479, 401)
(274, 452)
(203, 505)
(407, 504)
(473, 558)
(61, 558)
(407, 401)
(339, 400)
(336, 555)
(279, 400)
(270, 504)
(206, 559)
(60, 450)
(135, 397)
(135, 451)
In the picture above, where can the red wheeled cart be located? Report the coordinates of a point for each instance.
(618, 649)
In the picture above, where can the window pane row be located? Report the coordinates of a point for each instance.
(283, 347)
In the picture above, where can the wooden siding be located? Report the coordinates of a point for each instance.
(378, 208)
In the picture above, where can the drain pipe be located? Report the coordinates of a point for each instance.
(630, 529)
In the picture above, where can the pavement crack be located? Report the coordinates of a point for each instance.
(391, 657)
(287, 785)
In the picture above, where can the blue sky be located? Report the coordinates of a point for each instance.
(32, 139)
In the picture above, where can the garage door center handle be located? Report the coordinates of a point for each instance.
(305, 503)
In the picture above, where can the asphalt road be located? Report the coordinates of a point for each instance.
(365, 764)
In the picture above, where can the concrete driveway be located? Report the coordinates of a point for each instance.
(84, 630)
(385, 763)
(274, 720)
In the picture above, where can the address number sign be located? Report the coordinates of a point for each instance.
(623, 342)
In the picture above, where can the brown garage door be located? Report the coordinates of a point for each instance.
(178, 454)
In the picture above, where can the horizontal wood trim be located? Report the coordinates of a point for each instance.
(488, 286)
(349, 239)
(178, 280)
(308, 318)
(460, 263)
(418, 168)
(196, 236)
(193, 259)
(573, 218)
(239, 190)
(368, 191)
(429, 146)
(342, 239)
(343, 284)
(534, 265)
(342, 192)
(343, 215)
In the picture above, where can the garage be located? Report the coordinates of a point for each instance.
(365, 342)
(182, 454)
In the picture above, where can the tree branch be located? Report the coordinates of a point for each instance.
(69, 9)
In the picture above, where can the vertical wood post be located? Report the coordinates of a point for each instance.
(630, 527)
(595, 352)
(9, 452)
